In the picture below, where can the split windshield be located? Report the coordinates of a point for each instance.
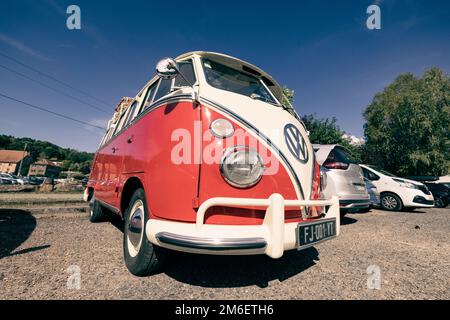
(223, 77)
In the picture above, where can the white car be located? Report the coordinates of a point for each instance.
(397, 193)
(8, 177)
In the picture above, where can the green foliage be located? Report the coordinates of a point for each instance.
(47, 150)
(78, 176)
(63, 175)
(408, 125)
(322, 131)
(288, 95)
(326, 131)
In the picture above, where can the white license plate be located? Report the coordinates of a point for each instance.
(310, 233)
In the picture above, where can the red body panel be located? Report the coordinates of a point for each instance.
(175, 190)
(212, 183)
(109, 161)
(145, 149)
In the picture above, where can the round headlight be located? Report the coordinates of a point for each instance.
(241, 167)
(222, 128)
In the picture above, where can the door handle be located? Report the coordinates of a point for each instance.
(130, 139)
(114, 149)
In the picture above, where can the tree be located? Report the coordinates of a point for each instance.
(407, 126)
(288, 95)
(47, 150)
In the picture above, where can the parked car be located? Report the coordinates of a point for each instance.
(19, 180)
(8, 177)
(440, 191)
(423, 178)
(441, 194)
(194, 163)
(344, 177)
(84, 182)
(5, 181)
(35, 180)
(447, 184)
(373, 193)
(397, 193)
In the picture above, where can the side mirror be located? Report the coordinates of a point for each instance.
(167, 68)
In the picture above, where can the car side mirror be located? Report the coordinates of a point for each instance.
(167, 68)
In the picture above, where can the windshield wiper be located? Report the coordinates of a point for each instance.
(256, 96)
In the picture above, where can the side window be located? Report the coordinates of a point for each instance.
(103, 141)
(149, 95)
(370, 175)
(341, 155)
(110, 133)
(131, 113)
(163, 88)
(187, 69)
(121, 121)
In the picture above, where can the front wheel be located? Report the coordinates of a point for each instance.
(142, 258)
(439, 203)
(391, 202)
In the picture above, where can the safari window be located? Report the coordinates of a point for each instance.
(163, 88)
(149, 95)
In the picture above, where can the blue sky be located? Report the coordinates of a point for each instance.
(321, 49)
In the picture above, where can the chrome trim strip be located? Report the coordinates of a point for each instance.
(108, 206)
(152, 107)
(214, 244)
(255, 130)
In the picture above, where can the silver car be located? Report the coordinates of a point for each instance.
(373, 193)
(344, 177)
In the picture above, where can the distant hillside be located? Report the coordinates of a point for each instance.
(73, 160)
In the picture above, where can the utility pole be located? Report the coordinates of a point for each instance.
(21, 162)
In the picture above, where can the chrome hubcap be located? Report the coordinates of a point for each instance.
(389, 202)
(135, 228)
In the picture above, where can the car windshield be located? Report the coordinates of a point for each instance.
(339, 154)
(226, 78)
(382, 171)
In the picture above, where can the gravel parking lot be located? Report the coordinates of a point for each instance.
(412, 250)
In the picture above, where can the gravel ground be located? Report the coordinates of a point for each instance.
(31, 198)
(412, 250)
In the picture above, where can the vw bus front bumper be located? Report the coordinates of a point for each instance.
(272, 237)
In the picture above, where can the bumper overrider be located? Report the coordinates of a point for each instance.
(272, 237)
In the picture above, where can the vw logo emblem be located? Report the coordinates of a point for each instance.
(296, 143)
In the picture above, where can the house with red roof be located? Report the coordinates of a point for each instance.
(10, 160)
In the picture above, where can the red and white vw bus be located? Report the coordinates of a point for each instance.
(209, 157)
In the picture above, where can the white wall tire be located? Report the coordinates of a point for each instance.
(141, 257)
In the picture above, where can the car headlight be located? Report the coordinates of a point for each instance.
(406, 184)
(241, 167)
(222, 128)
